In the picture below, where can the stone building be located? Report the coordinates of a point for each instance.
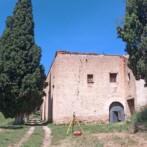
(98, 88)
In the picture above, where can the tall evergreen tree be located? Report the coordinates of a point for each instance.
(134, 33)
(22, 78)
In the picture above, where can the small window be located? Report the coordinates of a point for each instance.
(129, 77)
(89, 78)
(113, 77)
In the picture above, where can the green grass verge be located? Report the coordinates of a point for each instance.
(36, 138)
(106, 128)
(4, 121)
(11, 136)
(59, 135)
(59, 131)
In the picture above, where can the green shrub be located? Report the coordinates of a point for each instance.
(142, 116)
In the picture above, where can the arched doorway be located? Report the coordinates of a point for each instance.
(116, 112)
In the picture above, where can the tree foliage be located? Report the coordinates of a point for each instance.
(134, 33)
(22, 78)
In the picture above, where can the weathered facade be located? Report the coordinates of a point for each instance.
(98, 88)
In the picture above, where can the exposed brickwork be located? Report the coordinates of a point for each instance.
(68, 90)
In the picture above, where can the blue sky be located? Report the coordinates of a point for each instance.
(73, 25)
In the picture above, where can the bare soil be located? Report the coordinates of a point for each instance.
(47, 138)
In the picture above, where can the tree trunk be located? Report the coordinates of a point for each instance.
(19, 119)
(26, 118)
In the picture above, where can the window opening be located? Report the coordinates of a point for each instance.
(129, 77)
(113, 77)
(90, 78)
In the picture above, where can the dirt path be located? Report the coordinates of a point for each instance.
(47, 138)
(1, 130)
(24, 138)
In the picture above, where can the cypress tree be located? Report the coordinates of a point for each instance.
(22, 77)
(134, 33)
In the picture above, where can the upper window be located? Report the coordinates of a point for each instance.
(113, 77)
(90, 78)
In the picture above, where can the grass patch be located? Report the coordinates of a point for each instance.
(10, 136)
(59, 137)
(3, 121)
(8, 123)
(100, 128)
(127, 141)
(36, 138)
(58, 133)
(86, 140)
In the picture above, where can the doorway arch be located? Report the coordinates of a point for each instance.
(116, 112)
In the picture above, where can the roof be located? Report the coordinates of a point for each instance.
(74, 53)
(78, 53)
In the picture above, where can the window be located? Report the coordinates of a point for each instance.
(129, 77)
(113, 77)
(90, 78)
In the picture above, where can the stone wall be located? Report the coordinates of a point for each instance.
(68, 90)
(141, 94)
